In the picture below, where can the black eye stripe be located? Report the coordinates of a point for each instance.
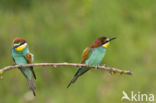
(22, 43)
(19, 45)
(105, 42)
(109, 40)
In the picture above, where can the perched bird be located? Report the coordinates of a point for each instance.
(92, 56)
(21, 56)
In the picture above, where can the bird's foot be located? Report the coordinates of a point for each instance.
(80, 66)
(96, 67)
(87, 65)
(20, 66)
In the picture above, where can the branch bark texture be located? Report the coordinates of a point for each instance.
(110, 69)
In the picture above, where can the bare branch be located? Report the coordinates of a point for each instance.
(110, 69)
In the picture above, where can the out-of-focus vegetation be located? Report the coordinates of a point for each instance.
(59, 30)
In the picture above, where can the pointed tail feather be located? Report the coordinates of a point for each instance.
(34, 93)
(72, 81)
(74, 78)
(80, 72)
(33, 72)
(32, 86)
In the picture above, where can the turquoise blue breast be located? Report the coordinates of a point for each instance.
(96, 56)
(19, 57)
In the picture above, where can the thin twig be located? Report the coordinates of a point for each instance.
(110, 69)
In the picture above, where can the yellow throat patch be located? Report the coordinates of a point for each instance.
(106, 45)
(20, 48)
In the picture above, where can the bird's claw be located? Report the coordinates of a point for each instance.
(96, 67)
(87, 65)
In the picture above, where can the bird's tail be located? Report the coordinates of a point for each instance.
(32, 86)
(77, 74)
(73, 80)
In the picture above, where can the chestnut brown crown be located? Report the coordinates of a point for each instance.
(99, 42)
(19, 40)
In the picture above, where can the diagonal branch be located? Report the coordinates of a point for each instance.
(110, 69)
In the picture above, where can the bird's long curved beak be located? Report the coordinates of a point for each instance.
(109, 39)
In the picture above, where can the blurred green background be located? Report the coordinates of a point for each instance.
(59, 30)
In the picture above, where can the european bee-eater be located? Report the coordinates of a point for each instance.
(21, 56)
(92, 56)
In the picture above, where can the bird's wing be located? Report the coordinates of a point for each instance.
(85, 54)
(29, 58)
(13, 59)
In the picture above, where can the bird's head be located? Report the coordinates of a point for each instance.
(102, 41)
(19, 44)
